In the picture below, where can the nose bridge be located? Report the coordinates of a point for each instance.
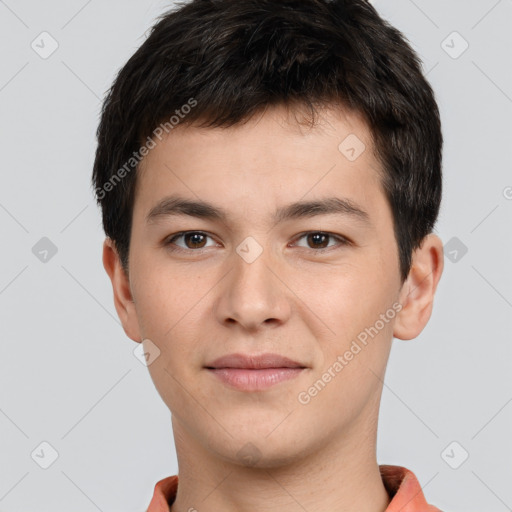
(252, 293)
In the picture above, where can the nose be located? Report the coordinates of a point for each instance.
(254, 292)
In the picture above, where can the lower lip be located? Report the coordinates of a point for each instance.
(246, 379)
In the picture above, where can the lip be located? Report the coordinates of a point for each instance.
(254, 372)
(254, 362)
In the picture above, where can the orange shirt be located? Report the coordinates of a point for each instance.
(402, 485)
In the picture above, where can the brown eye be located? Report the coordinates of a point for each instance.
(192, 240)
(195, 240)
(319, 240)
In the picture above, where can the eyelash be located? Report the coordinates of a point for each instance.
(169, 241)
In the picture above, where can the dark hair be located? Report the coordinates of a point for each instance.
(230, 59)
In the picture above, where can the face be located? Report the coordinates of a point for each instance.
(244, 272)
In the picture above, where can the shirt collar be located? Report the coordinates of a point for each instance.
(401, 484)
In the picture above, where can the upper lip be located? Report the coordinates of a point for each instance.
(259, 361)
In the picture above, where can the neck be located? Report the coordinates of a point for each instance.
(342, 476)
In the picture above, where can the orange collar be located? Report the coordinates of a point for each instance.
(402, 486)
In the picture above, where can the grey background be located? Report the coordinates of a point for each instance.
(68, 375)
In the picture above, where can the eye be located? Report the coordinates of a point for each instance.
(319, 240)
(193, 240)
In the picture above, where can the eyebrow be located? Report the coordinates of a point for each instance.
(176, 206)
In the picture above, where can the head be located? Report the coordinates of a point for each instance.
(227, 116)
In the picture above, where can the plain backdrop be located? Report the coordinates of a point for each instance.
(68, 375)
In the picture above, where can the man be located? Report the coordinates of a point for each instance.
(269, 174)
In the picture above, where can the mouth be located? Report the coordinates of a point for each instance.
(254, 372)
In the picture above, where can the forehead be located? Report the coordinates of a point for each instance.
(275, 158)
(335, 128)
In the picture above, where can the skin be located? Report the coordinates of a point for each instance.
(292, 300)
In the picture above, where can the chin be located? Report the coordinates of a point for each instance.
(262, 452)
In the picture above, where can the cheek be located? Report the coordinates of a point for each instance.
(168, 315)
(163, 298)
(355, 298)
(348, 379)
(358, 308)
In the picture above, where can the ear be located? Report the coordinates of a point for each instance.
(123, 301)
(417, 292)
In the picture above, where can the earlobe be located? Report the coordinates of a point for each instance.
(418, 290)
(123, 300)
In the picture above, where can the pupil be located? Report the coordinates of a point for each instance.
(195, 242)
(321, 236)
(316, 238)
